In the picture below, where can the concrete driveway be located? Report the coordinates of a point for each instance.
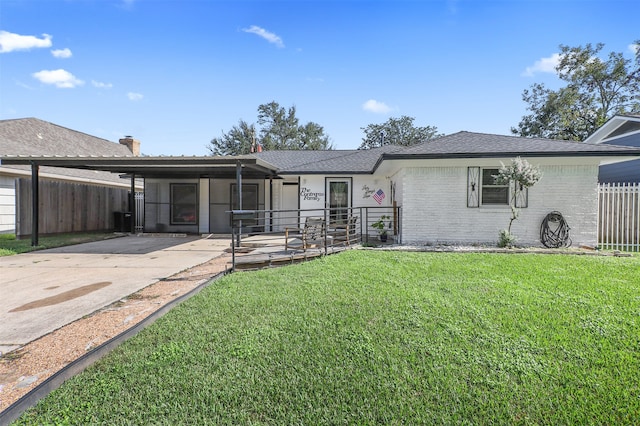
(45, 290)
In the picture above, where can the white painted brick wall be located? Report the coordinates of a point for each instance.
(435, 208)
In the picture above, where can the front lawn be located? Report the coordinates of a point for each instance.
(9, 245)
(367, 337)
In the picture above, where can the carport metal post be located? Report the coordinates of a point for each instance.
(132, 203)
(239, 190)
(35, 202)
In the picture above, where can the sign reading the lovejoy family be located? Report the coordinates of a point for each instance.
(307, 195)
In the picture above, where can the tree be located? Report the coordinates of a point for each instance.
(237, 141)
(311, 136)
(595, 91)
(519, 175)
(279, 126)
(396, 131)
(279, 129)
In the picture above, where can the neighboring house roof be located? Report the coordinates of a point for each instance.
(617, 130)
(34, 137)
(620, 130)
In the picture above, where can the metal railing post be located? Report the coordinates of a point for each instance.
(233, 248)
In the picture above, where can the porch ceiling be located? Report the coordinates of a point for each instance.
(187, 167)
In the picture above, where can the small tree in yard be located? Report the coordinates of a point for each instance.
(520, 175)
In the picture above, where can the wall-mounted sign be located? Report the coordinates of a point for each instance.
(366, 191)
(307, 195)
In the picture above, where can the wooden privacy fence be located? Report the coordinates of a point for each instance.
(68, 207)
(619, 216)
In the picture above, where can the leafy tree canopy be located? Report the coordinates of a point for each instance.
(396, 131)
(596, 90)
(278, 129)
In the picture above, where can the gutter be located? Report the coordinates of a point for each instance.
(546, 154)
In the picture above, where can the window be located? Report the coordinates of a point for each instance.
(184, 203)
(249, 200)
(491, 192)
(483, 191)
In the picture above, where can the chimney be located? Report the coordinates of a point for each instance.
(132, 144)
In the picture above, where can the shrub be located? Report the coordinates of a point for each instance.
(506, 239)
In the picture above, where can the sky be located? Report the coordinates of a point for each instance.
(176, 73)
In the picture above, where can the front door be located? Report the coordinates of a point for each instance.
(339, 200)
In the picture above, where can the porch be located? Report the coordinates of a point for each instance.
(266, 238)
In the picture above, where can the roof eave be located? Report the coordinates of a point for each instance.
(339, 172)
(437, 156)
(146, 165)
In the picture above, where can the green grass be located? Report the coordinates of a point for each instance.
(382, 338)
(9, 245)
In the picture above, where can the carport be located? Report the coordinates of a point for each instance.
(178, 168)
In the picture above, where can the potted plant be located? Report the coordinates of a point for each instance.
(381, 226)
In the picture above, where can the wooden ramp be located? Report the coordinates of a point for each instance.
(265, 258)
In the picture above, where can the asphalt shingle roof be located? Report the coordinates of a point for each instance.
(321, 162)
(31, 136)
(457, 145)
(36, 137)
(468, 144)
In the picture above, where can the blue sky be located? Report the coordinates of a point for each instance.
(175, 74)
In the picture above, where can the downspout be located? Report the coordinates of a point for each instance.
(35, 203)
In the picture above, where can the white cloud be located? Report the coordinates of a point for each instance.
(62, 53)
(101, 85)
(547, 65)
(376, 107)
(634, 48)
(10, 42)
(261, 32)
(59, 78)
(134, 96)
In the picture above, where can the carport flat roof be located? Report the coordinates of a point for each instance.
(154, 166)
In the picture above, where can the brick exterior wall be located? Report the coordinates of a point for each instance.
(435, 208)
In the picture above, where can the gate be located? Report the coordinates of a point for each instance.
(139, 200)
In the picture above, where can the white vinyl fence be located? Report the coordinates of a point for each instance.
(619, 216)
